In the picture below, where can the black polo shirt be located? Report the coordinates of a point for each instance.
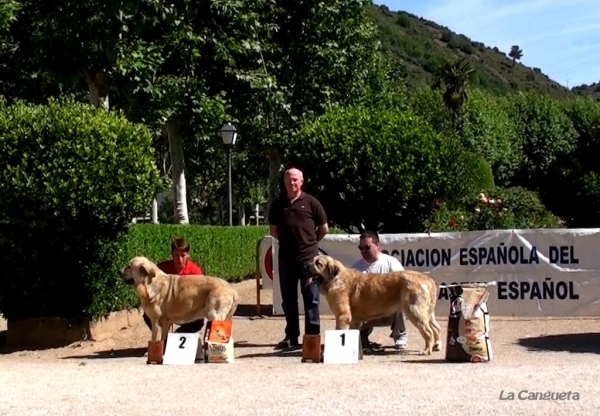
(296, 226)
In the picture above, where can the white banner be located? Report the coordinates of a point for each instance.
(541, 272)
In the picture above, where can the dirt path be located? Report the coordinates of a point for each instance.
(110, 376)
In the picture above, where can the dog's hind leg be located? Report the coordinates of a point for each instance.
(437, 331)
(422, 322)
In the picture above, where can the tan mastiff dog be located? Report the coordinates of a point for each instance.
(171, 299)
(356, 297)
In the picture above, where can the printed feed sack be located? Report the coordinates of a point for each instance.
(218, 342)
(468, 337)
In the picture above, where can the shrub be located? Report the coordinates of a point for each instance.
(376, 167)
(499, 209)
(71, 178)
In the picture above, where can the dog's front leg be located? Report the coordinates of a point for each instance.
(343, 320)
(162, 329)
(155, 331)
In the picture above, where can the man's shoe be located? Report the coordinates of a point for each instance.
(372, 348)
(402, 342)
(287, 344)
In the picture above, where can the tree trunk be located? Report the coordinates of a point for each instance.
(274, 177)
(154, 215)
(98, 86)
(180, 210)
(242, 214)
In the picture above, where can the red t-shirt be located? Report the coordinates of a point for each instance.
(168, 267)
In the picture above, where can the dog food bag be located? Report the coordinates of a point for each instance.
(218, 342)
(468, 324)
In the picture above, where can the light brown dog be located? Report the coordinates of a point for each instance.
(171, 299)
(355, 297)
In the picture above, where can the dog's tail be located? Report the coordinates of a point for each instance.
(235, 301)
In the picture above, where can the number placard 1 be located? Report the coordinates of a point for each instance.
(341, 346)
(181, 348)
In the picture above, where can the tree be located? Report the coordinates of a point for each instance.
(488, 132)
(306, 64)
(574, 193)
(454, 81)
(543, 135)
(515, 53)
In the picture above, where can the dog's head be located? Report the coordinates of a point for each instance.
(139, 271)
(324, 269)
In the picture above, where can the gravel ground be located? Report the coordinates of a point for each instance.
(111, 377)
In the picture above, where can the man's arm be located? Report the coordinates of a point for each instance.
(322, 231)
(273, 231)
(396, 265)
(320, 218)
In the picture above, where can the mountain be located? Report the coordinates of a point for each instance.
(421, 47)
(593, 90)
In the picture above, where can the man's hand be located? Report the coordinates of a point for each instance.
(322, 231)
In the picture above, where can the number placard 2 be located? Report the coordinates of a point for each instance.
(181, 348)
(341, 346)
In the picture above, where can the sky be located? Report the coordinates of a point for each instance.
(561, 37)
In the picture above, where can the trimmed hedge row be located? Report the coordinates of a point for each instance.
(226, 252)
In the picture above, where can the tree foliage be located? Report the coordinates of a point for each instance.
(544, 133)
(573, 189)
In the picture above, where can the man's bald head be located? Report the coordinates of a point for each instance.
(294, 172)
(293, 180)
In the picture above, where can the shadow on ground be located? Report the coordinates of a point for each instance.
(122, 353)
(248, 309)
(5, 349)
(588, 342)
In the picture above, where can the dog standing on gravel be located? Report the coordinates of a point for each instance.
(356, 297)
(170, 299)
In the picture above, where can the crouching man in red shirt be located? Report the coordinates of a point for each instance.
(180, 264)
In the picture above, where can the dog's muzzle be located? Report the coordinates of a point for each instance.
(127, 280)
(318, 280)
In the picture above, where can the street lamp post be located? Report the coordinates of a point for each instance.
(229, 136)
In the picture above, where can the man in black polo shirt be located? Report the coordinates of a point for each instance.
(298, 221)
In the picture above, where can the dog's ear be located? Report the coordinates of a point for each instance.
(334, 270)
(146, 272)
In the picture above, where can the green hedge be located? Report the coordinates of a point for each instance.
(226, 252)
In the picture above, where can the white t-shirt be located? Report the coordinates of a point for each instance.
(384, 264)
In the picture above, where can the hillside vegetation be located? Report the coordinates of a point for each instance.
(420, 47)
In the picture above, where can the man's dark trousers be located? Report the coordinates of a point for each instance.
(290, 273)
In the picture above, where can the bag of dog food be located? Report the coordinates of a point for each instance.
(218, 342)
(468, 337)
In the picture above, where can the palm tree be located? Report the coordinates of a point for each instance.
(454, 79)
(515, 53)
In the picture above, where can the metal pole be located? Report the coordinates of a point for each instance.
(230, 193)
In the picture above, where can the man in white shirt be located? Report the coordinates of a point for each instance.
(374, 261)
